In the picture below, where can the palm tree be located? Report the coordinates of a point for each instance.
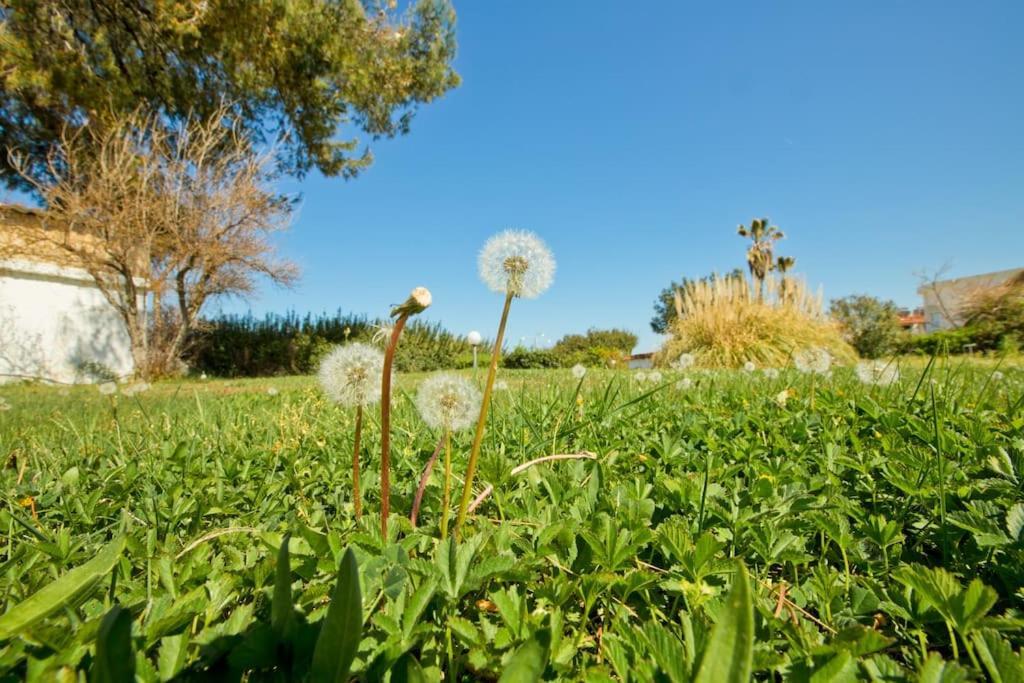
(761, 253)
(784, 264)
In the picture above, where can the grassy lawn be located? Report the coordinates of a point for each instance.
(880, 526)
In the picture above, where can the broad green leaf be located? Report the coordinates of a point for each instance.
(997, 656)
(935, 670)
(407, 670)
(1015, 520)
(172, 657)
(66, 591)
(282, 610)
(729, 655)
(114, 661)
(840, 669)
(342, 627)
(527, 663)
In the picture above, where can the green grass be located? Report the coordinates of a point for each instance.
(888, 518)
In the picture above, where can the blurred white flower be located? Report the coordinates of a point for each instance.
(771, 373)
(351, 374)
(654, 377)
(474, 338)
(4, 404)
(108, 388)
(998, 376)
(782, 397)
(684, 384)
(640, 376)
(749, 366)
(448, 401)
(684, 361)
(136, 388)
(517, 262)
(814, 360)
(578, 371)
(272, 391)
(501, 385)
(877, 372)
(203, 377)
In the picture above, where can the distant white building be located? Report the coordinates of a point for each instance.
(55, 324)
(944, 300)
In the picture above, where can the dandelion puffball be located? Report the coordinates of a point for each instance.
(578, 371)
(749, 366)
(474, 338)
(108, 388)
(654, 377)
(771, 373)
(815, 360)
(684, 384)
(350, 374)
(517, 262)
(448, 401)
(877, 372)
(684, 361)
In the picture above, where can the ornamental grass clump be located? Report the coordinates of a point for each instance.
(515, 263)
(349, 376)
(725, 323)
(449, 403)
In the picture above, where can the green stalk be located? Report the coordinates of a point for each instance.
(481, 424)
(357, 501)
(446, 499)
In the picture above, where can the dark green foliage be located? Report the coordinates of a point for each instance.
(522, 358)
(298, 70)
(665, 306)
(955, 341)
(596, 348)
(244, 346)
(871, 326)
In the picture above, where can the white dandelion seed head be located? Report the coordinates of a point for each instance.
(814, 360)
(578, 371)
(136, 388)
(203, 377)
(640, 376)
(517, 262)
(654, 377)
(4, 404)
(877, 372)
(782, 397)
(684, 361)
(998, 376)
(684, 384)
(422, 296)
(272, 391)
(771, 373)
(350, 375)
(448, 401)
(749, 366)
(474, 338)
(501, 385)
(108, 388)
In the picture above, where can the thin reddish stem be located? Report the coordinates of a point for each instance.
(385, 427)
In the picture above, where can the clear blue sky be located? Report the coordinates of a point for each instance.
(882, 137)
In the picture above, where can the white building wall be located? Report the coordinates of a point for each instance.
(53, 321)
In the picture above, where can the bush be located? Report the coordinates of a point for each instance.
(870, 325)
(955, 341)
(244, 346)
(521, 358)
(726, 324)
(596, 348)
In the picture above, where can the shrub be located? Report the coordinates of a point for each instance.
(943, 342)
(522, 358)
(726, 324)
(245, 346)
(595, 348)
(870, 325)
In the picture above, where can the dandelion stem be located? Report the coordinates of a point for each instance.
(478, 438)
(385, 426)
(418, 500)
(446, 498)
(357, 501)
